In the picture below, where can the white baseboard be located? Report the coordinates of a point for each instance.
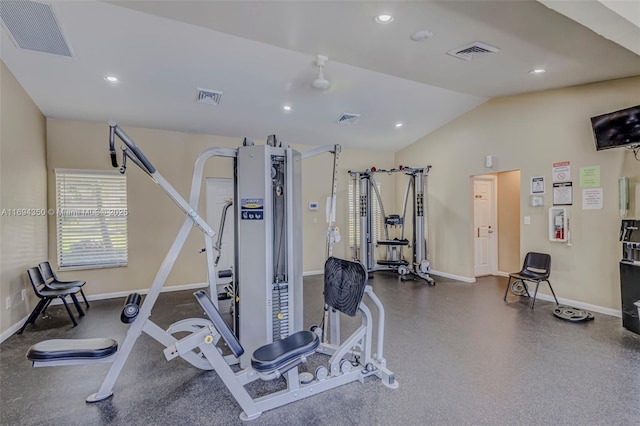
(308, 273)
(581, 305)
(453, 276)
(12, 330)
(501, 274)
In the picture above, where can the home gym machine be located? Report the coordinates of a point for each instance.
(417, 264)
(268, 342)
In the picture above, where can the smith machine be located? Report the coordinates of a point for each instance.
(268, 340)
(363, 219)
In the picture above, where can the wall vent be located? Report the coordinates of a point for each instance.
(473, 50)
(347, 118)
(207, 96)
(33, 26)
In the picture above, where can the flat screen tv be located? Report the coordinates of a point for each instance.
(617, 129)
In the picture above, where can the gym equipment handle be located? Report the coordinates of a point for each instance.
(131, 308)
(115, 130)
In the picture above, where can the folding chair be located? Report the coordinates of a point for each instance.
(47, 295)
(56, 284)
(536, 268)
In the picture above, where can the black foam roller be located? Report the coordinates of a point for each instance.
(131, 308)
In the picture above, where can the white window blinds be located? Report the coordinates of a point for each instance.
(354, 234)
(91, 219)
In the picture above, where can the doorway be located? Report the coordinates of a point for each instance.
(496, 223)
(485, 246)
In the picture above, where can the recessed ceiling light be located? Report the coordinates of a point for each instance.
(537, 71)
(398, 124)
(286, 107)
(383, 18)
(111, 78)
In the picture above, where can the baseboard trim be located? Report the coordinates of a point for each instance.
(501, 274)
(309, 273)
(581, 305)
(13, 329)
(453, 276)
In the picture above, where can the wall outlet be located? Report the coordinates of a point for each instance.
(23, 294)
(7, 302)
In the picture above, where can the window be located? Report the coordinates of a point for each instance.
(91, 219)
(354, 228)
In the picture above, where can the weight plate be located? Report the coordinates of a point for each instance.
(569, 313)
(518, 288)
(305, 378)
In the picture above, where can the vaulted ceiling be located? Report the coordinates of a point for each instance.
(261, 56)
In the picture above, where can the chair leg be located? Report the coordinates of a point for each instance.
(77, 304)
(553, 292)
(533, 301)
(75, 323)
(85, 298)
(34, 314)
(506, 290)
(45, 306)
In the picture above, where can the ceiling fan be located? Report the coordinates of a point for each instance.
(321, 83)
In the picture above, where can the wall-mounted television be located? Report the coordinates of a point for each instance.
(617, 129)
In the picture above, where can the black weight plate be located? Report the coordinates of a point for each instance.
(518, 288)
(569, 313)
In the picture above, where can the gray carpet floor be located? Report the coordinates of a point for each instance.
(461, 355)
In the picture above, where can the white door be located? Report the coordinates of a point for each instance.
(219, 191)
(484, 239)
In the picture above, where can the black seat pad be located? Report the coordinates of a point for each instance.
(530, 275)
(58, 349)
(274, 355)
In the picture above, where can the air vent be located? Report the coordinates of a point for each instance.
(33, 26)
(348, 118)
(207, 96)
(473, 50)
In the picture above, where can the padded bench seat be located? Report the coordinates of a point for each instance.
(394, 242)
(280, 353)
(62, 349)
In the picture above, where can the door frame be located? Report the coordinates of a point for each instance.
(493, 241)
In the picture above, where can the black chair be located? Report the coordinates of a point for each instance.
(52, 281)
(536, 268)
(47, 295)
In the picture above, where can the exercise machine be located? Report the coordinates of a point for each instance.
(268, 341)
(416, 263)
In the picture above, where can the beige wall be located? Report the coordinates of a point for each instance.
(509, 221)
(529, 132)
(23, 185)
(154, 221)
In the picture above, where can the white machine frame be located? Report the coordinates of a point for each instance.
(418, 264)
(198, 347)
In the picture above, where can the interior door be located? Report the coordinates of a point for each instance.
(219, 191)
(483, 225)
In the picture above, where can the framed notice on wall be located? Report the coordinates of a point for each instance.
(563, 194)
(537, 185)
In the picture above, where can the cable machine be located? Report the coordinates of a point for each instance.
(416, 263)
(268, 342)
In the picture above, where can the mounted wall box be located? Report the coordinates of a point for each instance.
(558, 224)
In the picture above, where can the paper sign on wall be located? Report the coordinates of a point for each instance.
(561, 171)
(592, 199)
(590, 177)
(537, 185)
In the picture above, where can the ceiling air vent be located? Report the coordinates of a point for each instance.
(473, 50)
(33, 26)
(348, 118)
(207, 96)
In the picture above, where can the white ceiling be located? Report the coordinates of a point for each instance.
(261, 54)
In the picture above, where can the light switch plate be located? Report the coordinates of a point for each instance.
(527, 220)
